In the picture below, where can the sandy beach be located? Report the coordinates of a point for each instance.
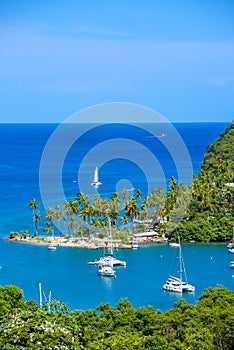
(94, 243)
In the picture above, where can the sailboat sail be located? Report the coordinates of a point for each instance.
(96, 181)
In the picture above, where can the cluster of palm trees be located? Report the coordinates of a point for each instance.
(79, 216)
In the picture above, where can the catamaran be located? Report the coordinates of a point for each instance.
(108, 259)
(96, 181)
(176, 284)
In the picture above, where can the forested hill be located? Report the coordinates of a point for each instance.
(218, 163)
(211, 212)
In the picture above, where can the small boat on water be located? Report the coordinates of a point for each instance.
(96, 181)
(177, 284)
(231, 244)
(174, 244)
(231, 265)
(51, 247)
(135, 244)
(106, 270)
(231, 250)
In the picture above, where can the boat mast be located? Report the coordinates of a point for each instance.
(40, 295)
(180, 258)
(111, 243)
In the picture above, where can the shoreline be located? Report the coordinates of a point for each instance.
(95, 243)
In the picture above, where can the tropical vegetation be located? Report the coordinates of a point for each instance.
(208, 325)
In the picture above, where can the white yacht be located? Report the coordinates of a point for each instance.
(176, 284)
(174, 244)
(231, 265)
(106, 270)
(51, 247)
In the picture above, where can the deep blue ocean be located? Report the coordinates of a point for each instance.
(123, 154)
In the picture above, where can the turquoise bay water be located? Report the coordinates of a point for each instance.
(65, 272)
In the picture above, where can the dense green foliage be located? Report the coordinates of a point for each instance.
(209, 325)
(211, 212)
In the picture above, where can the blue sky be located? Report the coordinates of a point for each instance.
(57, 57)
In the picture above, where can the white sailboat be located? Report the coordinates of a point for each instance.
(96, 181)
(176, 284)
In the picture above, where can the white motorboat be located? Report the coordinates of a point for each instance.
(174, 244)
(177, 284)
(231, 250)
(51, 247)
(106, 270)
(96, 181)
(231, 265)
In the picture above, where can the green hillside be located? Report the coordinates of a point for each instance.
(211, 213)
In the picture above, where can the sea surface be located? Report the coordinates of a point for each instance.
(65, 272)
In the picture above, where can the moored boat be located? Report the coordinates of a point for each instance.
(177, 284)
(51, 247)
(174, 244)
(106, 270)
(108, 259)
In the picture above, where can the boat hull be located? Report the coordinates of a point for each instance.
(106, 271)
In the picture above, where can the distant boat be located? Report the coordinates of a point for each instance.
(231, 245)
(108, 259)
(135, 244)
(231, 265)
(176, 284)
(51, 247)
(96, 181)
(106, 270)
(174, 244)
(231, 250)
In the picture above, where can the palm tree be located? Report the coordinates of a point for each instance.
(124, 194)
(47, 228)
(131, 210)
(138, 194)
(114, 208)
(24, 233)
(58, 215)
(72, 224)
(36, 218)
(74, 206)
(80, 197)
(33, 205)
(50, 216)
(124, 220)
